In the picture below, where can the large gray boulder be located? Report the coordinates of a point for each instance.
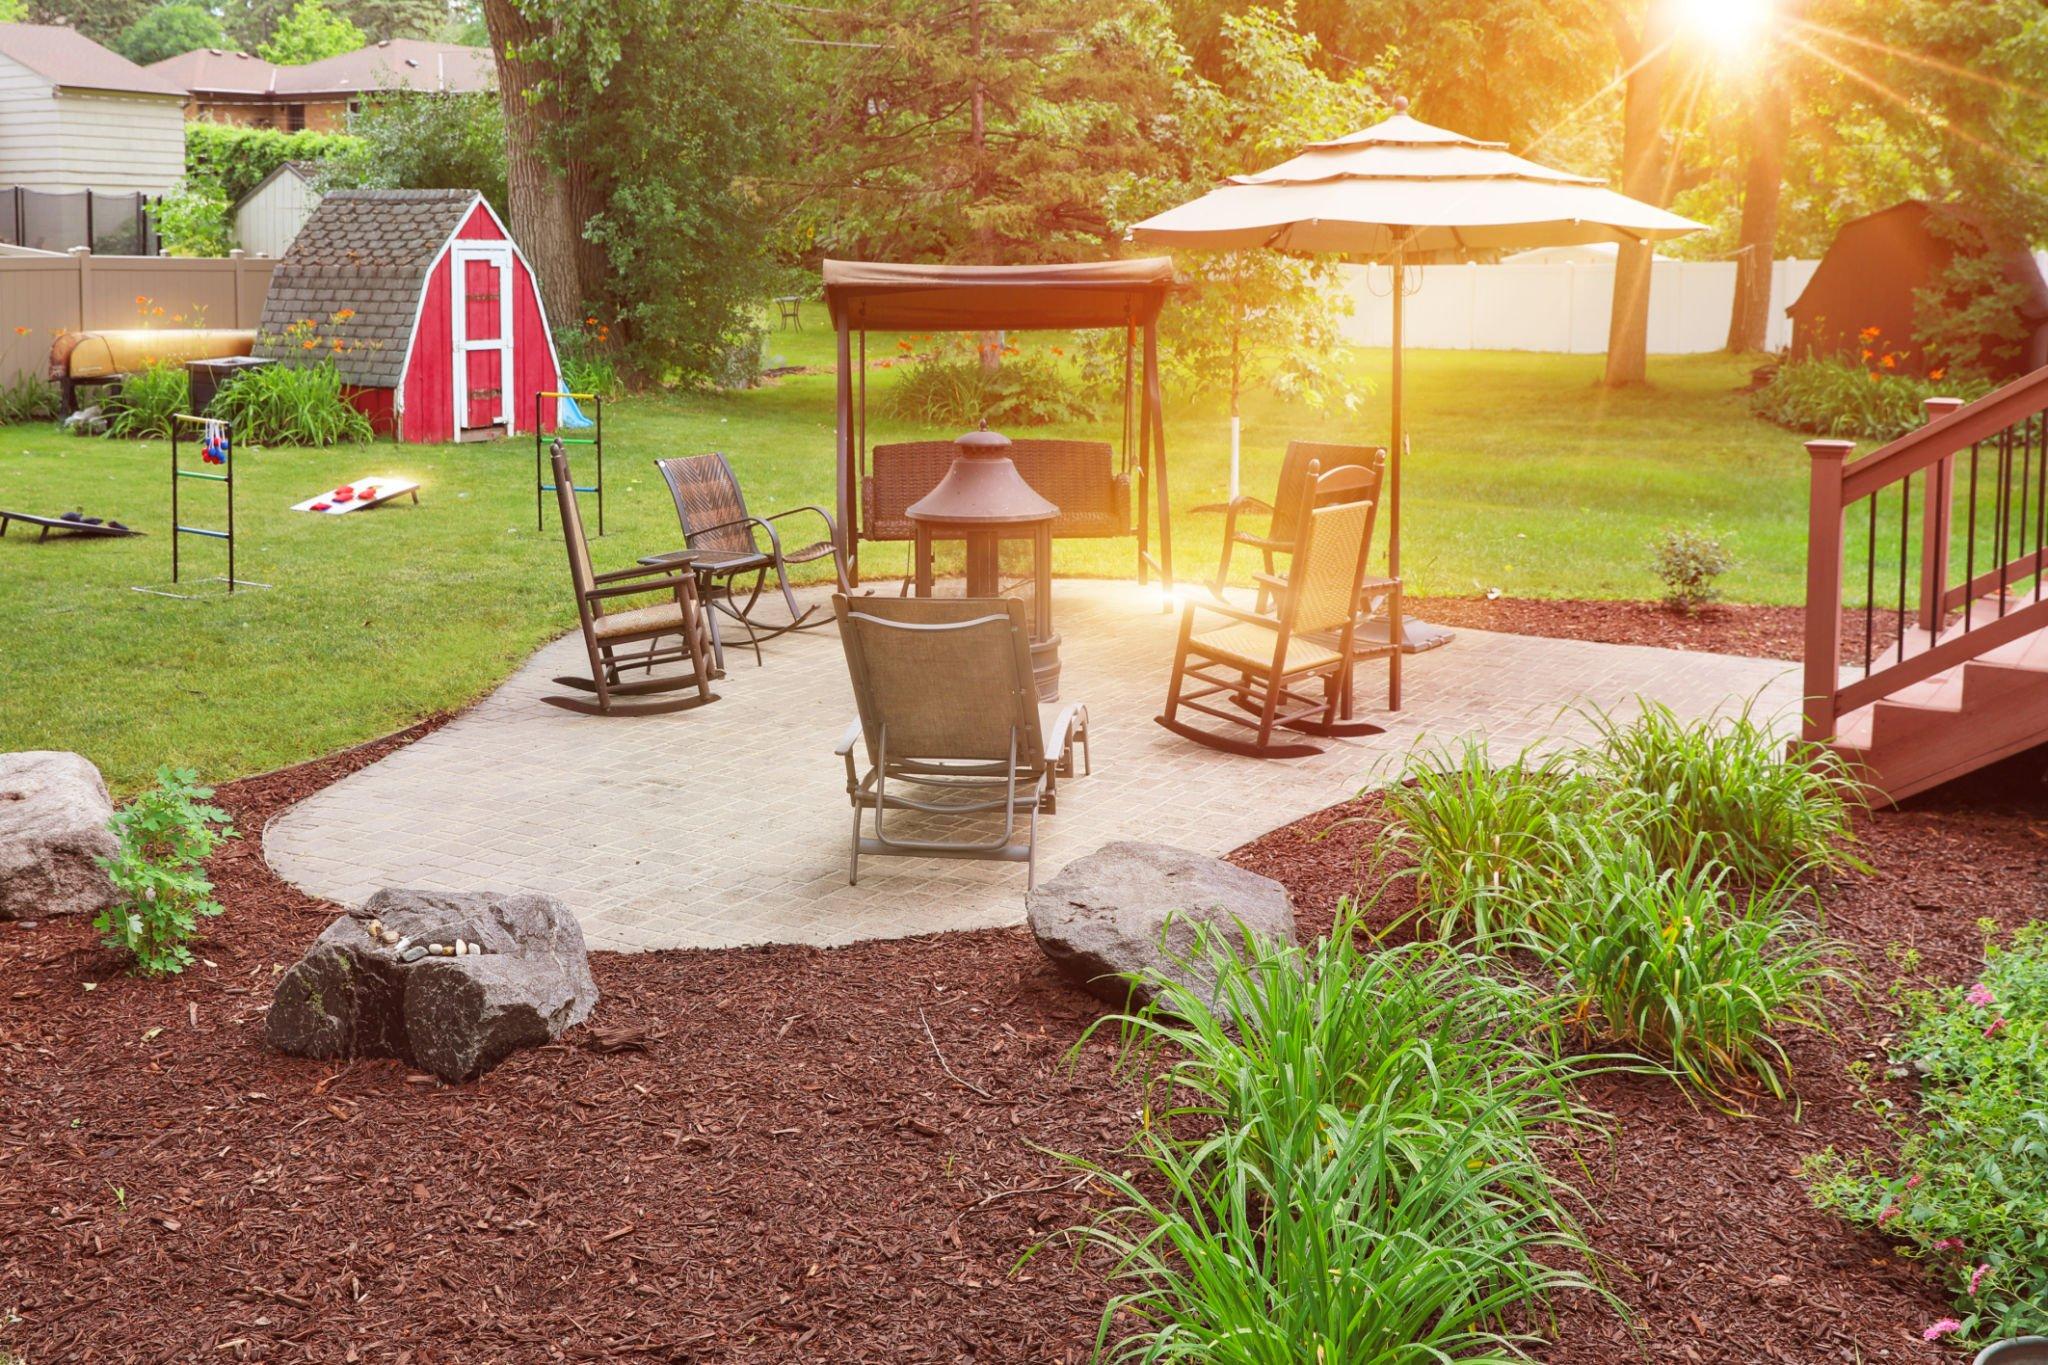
(353, 995)
(53, 821)
(1132, 907)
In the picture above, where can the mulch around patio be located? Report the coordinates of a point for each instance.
(794, 1154)
(1718, 628)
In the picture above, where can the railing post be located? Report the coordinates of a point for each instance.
(1824, 586)
(1937, 531)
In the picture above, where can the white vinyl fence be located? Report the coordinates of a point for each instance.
(1560, 307)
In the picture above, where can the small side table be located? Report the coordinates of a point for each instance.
(704, 589)
(792, 307)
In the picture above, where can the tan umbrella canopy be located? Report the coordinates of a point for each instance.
(1405, 193)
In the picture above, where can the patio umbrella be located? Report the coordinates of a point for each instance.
(1405, 193)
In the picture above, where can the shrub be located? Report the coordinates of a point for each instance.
(1825, 396)
(147, 401)
(1969, 1191)
(1485, 839)
(1688, 560)
(166, 834)
(290, 405)
(1656, 959)
(29, 398)
(423, 140)
(949, 390)
(1730, 790)
(1366, 1182)
(192, 220)
(235, 157)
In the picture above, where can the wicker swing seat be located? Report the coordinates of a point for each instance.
(1078, 477)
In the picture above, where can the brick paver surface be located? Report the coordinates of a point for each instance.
(729, 824)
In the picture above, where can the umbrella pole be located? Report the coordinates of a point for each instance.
(1416, 636)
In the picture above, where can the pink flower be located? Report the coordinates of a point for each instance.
(1949, 1244)
(1980, 994)
(1913, 1183)
(1977, 1276)
(1936, 1331)
(1887, 1216)
(1995, 1026)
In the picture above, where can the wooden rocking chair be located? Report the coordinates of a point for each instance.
(1267, 664)
(1280, 513)
(606, 632)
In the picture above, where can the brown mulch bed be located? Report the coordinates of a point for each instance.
(794, 1154)
(1719, 628)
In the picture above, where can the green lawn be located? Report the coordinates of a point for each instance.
(1525, 476)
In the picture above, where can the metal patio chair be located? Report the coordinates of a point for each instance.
(978, 741)
(1264, 665)
(608, 628)
(718, 527)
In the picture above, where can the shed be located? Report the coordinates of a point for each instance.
(1869, 273)
(427, 308)
(270, 215)
(74, 116)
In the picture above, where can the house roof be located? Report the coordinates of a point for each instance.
(368, 252)
(1903, 229)
(395, 64)
(69, 60)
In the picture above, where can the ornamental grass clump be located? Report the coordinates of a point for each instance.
(1968, 1192)
(1685, 966)
(290, 405)
(1727, 789)
(165, 837)
(1485, 838)
(1340, 1160)
(148, 401)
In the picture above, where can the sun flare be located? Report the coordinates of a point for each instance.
(1734, 28)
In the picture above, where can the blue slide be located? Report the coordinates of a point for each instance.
(567, 414)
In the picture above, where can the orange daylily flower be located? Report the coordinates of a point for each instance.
(308, 344)
(1938, 374)
(21, 331)
(1890, 361)
(1870, 333)
(344, 315)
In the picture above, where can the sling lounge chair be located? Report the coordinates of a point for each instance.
(608, 630)
(717, 525)
(949, 724)
(1267, 667)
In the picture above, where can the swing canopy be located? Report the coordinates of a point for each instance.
(873, 296)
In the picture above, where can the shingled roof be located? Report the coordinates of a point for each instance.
(365, 252)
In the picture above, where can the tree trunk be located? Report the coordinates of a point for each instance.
(544, 217)
(1645, 55)
(1762, 190)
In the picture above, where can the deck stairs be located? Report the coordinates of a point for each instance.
(1942, 677)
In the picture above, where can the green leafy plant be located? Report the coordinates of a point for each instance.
(1485, 838)
(1340, 1160)
(28, 398)
(1727, 789)
(192, 220)
(589, 363)
(1659, 960)
(943, 388)
(291, 405)
(1688, 560)
(147, 401)
(1862, 400)
(166, 835)
(1968, 1191)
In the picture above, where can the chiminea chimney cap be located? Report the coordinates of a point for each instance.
(982, 441)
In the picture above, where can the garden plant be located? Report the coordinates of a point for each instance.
(166, 835)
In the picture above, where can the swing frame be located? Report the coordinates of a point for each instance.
(864, 296)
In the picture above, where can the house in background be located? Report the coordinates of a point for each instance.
(74, 116)
(234, 87)
(268, 217)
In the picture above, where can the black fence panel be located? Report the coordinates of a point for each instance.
(57, 220)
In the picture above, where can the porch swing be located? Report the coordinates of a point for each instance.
(1099, 489)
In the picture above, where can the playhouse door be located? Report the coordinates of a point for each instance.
(483, 337)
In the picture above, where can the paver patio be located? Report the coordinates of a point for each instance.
(729, 825)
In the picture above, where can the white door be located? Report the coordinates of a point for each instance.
(481, 276)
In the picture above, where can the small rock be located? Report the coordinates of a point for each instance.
(54, 811)
(455, 1019)
(1134, 907)
(412, 954)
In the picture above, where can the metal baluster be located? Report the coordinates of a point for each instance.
(2026, 486)
(2040, 498)
(1869, 584)
(1970, 547)
(2004, 511)
(1905, 512)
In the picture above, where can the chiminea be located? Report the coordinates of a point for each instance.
(984, 501)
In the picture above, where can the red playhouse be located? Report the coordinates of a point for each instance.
(425, 306)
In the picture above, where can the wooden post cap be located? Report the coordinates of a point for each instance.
(1938, 408)
(1830, 449)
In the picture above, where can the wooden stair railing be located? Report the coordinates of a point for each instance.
(1982, 507)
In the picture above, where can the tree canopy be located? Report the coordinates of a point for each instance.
(310, 32)
(169, 30)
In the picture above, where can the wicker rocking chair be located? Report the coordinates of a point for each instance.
(722, 533)
(1280, 513)
(608, 631)
(1290, 669)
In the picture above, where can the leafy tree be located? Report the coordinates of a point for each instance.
(13, 11)
(252, 22)
(169, 30)
(424, 140)
(310, 32)
(100, 20)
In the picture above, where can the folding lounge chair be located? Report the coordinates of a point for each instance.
(950, 723)
(678, 618)
(1267, 664)
(717, 525)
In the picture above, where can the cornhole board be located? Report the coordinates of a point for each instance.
(385, 488)
(64, 525)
